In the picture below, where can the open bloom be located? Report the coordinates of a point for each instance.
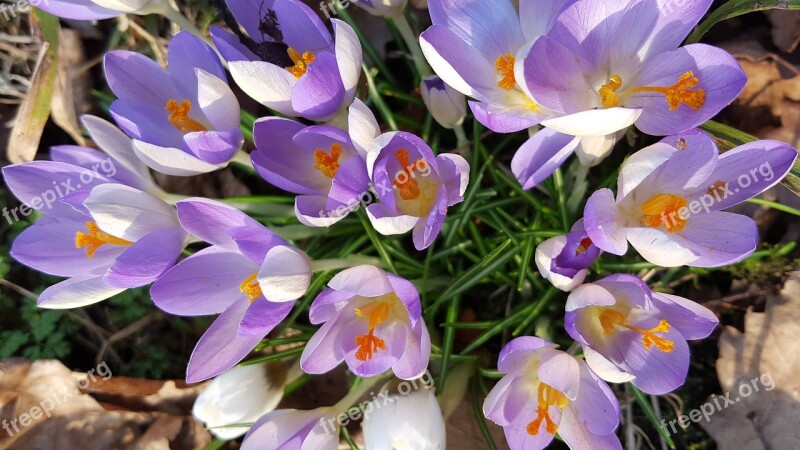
(288, 61)
(564, 260)
(250, 276)
(483, 61)
(240, 395)
(104, 236)
(414, 186)
(670, 196)
(99, 9)
(447, 105)
(632, 334)
(372, 320)
(291, 429)
(323, 164)
(546, 391)
(411, 421)
(183, 121)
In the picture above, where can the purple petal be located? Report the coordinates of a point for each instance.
(229, 46)
(185, 54)
(561, 371)
(101, 163)
(691, 319)
(416, 354)
(325, 306)
(77, 9)
(408, 294)
(281, 162)
(454, 173)
(516, 354)
(143, 262)
(603, 223)
(555, 76)
(425, 232)
(263, 316)
(76, 292)
(146, 122)
(135, 77)
(319, 92)
(541, 155)
(323, 351)
(503, 120)
(719, 238)
(214, 147)
(364, 280)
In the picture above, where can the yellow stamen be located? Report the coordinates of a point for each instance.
(409, 188)
(301, 62)
(548, 396)
(610, 318)
(679, 93)
(95, 239)
(251, 288)
(368, 344)
(504, 65)
(179, 116)
(608, 91)
(663, 210)
(328, 164)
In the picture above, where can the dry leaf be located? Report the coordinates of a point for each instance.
(63, 107)
(766, 354)
(785, 29)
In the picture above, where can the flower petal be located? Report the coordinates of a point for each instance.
(76, 292)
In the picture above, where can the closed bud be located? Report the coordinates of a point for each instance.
(448, 106)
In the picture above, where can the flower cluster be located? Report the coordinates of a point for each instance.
(584, 70)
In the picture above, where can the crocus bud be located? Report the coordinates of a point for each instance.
(564, 260)
(241, 395)
(447, 105)
(100, 9)
(410, 420)
(285, 429)
(385, 8)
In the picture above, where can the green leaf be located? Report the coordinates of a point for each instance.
(735, 8)
(12, 341)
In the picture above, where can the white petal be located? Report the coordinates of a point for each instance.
(285, 274)
(657, 247)
(595, 122)
(544, 255)
(129, 213)
(375, 149)
(114, 142)
(217, 101)
(348, 55)
(388, 226)
(266, 83)
(411, 421)
(604, 368)
(362, 126)
(171, 161)
(75, 293)
(640, 165)
(594, 149)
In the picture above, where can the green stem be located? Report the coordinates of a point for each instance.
(461, 137)
(412, 42)
(176, 17)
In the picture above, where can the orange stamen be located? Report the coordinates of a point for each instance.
(328, 164)
(409, 188)
(368, 344)
(504, 65)
(680, 92)
(663, 210)
(584, 245)
(95, 239)
(179, 116)
(608, 91)
(251, 288)
(610, 318)
(548, 396)
(301, 62)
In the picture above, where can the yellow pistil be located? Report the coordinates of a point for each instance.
(408, 187)
(301, 62)
(608, 91)
(179, 116)
(548, 396)
(251, 288)
(663, 210)
(611, 318)
(376, 313)
(326, 163)
(680, 92)
(504, 65)
(95, 239)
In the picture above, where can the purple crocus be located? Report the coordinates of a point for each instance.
(104, 236)
(607, 64)
(629, 333)
(565, 260)
(291, 429)
(99, 9)
(373, 321)
(670, 196)
(288, 61)
(545, 391)
(414, 186)
(474, 46)
(447, 105)
(323, 164)
(183, 121)
(250, 276)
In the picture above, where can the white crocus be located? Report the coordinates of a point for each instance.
(410, 422)
(447, 105)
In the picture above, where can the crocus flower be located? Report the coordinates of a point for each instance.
(415, 187)
(384, 8)
(105, 237)
(545, 391)
(99, 9)
(183, 121)
(291, 429)
(670, 196)
(447, 105)
(373, 321)
(409, 421)
(483, 62)
(288, 61)
(249, 275)
(632, 334)
(323, 164)
(240, 395)
(564, 260)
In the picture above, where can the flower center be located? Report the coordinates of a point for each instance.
(611, 318)
(95, 239)
(301, 62)
(504, 65)
(664, 209)
(404, 181)
(675, 95)
(326, 163)
(548, 396)
(251, 288)
(583, 246)
(179, 116)
(376, 313)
